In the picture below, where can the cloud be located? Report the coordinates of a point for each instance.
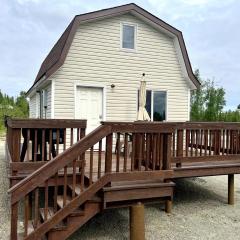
(29, 29)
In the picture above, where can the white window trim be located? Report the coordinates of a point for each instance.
(135, 36)
(104, 100)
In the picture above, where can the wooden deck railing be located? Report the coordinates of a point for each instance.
(113, 152)
(33, 142)
(195, 142)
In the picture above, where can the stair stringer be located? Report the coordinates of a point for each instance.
(69, 208)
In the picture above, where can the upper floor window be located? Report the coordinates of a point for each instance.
(128, 36)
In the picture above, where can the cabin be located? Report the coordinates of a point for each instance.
(94, 70)
(82, 151)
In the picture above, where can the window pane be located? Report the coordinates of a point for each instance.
(148, 102)
(159, 106)
(128, 37)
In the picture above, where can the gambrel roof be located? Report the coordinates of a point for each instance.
(57, 55)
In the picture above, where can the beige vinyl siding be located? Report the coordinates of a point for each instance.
(49, 98)
(33, 106)
(96, 57)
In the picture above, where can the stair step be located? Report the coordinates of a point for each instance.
(50, 213)
(95, 199)
(60, 200)
(30, 226)
(77, 189)
(77, 212)
(60, 226)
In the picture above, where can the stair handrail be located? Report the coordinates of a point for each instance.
(39, 176)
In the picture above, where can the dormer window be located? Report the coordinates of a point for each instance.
(128, 36)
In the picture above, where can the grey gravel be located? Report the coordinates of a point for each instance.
(200, 212)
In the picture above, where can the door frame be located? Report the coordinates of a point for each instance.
(92, 85)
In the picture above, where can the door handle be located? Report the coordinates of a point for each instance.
(100, 116)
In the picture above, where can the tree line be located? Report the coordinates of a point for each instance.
(208, 102)
(13, 107)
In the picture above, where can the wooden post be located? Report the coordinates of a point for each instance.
(231, 189)
(137, 226)
(167, 143)
(179, 145)
(108, 157)
(168, 206)
(14, 221)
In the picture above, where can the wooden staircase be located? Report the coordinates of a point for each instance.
(115, 196)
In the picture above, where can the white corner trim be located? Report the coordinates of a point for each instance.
(52, 99)
(189, 104)
(96, 85)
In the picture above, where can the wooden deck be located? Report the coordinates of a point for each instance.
(65, 177)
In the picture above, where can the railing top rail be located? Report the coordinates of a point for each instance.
(208, 125)
(46, 123)
(141, 126)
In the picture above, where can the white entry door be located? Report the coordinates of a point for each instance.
(89, 105)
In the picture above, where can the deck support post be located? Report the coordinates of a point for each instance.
(137, 226)
(231, 189)
(168, 206)
(14, 222)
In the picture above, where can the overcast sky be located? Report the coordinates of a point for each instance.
(211, 28)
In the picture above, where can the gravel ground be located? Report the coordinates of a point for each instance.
(200, 212)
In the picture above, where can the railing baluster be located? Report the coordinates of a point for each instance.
(154, 151)
(43, 144)
(26, 214)
(174, 143)
(36, 207)
(82, 183)
(179, 145)
(35, 145)
(46, 201)
(118, 151)
(133, 152)
(74, 178)
(91, 166)
(197, 143)
(187, 142)
(192, 141)
(50, 145)
(125, 152)
(28, 144)
(71, 137)
(201, 141)
(148, 155)
(140, 145)
(108, 157)
(99, 158)
(227, 142)
(223, 141)
(205, 142)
